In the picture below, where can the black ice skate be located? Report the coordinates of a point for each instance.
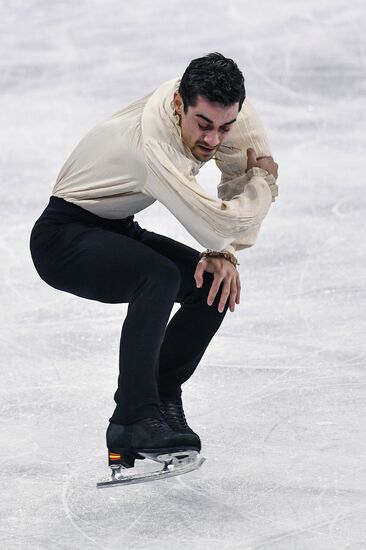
(173, 413)
(150, 438)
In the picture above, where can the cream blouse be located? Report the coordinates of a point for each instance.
(137, 156)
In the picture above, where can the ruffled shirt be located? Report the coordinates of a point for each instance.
(137, 156)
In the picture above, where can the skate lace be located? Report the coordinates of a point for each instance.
(159, 425)
(173, 409)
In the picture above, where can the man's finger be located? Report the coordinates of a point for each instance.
(213, 290)
(251, 155)
(224, 295)
(199, 272)
(233, 294)
(238, 287)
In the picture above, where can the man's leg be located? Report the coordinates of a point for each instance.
(193, 326)
(110, 267)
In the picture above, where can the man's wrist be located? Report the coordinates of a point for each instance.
(220, 254)
(269, 178)
(257, 171)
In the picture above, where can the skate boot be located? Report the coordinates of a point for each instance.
(150, 438)
(172, 410)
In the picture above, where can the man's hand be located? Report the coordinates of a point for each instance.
(267, 163)
(224, 271)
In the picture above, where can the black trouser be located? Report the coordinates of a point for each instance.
(116, 261)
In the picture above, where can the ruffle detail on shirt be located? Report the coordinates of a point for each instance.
(269, 178)
(226, 190)
(176, 120)
(173, 114)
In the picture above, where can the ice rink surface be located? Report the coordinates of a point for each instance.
(279, 398)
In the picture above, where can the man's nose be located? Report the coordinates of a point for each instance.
(212, 138)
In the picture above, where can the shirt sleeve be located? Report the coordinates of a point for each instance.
(248, 131)
(213, 222)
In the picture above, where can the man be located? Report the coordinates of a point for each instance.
(88, 243)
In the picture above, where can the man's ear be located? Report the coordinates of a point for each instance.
(178, 102)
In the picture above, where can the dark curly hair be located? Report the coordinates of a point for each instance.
(215, 77)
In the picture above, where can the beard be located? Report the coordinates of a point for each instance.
(202, 152)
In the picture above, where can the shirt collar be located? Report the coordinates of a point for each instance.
(176, 121)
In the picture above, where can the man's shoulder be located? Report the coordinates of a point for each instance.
(247, 109)
(162, 96)
(157, 121)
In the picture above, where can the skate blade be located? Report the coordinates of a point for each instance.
(174, 464)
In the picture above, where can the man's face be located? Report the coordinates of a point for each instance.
(205, 126)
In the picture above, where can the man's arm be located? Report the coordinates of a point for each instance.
(236, 168)
(213, 222)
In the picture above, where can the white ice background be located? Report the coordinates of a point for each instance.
(279, 398)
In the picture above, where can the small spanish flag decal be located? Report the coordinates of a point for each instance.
(114, 456)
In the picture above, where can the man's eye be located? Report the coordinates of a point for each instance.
(208, 128)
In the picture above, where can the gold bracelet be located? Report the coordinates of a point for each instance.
(216, 254)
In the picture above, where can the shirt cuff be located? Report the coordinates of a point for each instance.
(230, 249)
(269, 178)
